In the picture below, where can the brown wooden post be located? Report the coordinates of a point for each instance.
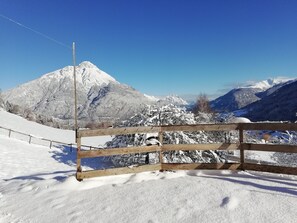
(241, 148)
(51, 143)
(78, 160)
(161, 152)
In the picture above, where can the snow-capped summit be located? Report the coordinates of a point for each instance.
(87, 74)
(87, 64)
(266, 84)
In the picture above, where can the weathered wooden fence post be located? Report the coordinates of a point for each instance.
(30, 137)
(9, 133)
(161, 151)
(241, 147)
(78, 159)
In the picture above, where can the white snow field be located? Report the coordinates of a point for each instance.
(37, 184)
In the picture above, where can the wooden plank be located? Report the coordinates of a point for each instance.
(270, 147)
(118, 131)
(214, 146)
(117, 151)
(270, 168)
(200, 127)
(190, 128)
(269, 126)
(195, 166)
(117, 171)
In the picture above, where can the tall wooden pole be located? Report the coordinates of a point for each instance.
(75, 94)
(77, 138)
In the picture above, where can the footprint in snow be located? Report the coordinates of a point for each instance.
(180, 213)
(230, 203)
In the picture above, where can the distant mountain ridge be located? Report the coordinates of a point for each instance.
(240, 97)
(278, 104)
(270, 100)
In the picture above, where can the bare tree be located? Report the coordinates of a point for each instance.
(202, 104)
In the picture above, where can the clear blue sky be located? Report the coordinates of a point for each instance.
(158, 47)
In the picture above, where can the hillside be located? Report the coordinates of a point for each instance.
(235, 99)
(37, 184)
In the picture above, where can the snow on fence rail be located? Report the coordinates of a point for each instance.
(240, 145)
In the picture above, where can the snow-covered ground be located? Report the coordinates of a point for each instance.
(14, 122)
(37, 184)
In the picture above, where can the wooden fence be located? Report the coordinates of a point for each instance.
(32, 139)
(240, 145)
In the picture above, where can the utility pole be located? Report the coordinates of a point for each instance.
(75, 93)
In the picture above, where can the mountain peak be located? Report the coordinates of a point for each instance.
(266, 84)
(87, 64)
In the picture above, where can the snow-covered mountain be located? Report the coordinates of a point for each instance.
(269, 83)
(172, 99)
(235, 99)
(279, 104)
(100, 96)
(242, 96)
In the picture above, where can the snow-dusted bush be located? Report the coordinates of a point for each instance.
(167, 115)
(275, 137)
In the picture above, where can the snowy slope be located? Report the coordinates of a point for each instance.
(38, 185)
(16, 123)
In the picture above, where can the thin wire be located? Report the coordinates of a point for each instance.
(35, 31)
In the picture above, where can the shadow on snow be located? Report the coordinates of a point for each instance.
(67, 156)
(254, 180)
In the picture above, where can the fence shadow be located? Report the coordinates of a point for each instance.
(288, 188)
(67, 155)
(56, 175)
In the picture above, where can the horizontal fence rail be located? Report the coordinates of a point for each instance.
(32, 139)
(240, 145)
(117, 131)
(118, 151)
(189, 147)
